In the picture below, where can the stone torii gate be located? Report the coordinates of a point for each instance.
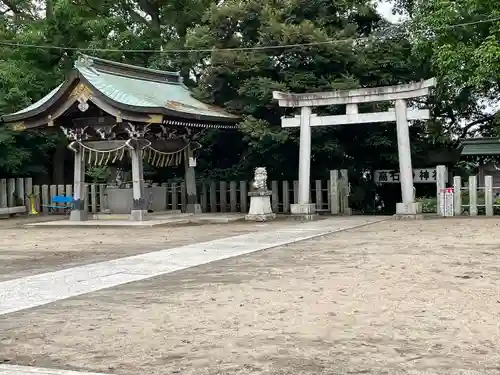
(351, 98)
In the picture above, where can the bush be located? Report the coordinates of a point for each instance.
(429, 205)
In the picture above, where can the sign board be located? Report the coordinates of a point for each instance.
(420, 176)
(192, 162)
(446, 202)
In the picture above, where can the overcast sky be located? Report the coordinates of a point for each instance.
(385, 9)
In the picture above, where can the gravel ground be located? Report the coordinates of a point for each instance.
(28, 251)
(396, 297)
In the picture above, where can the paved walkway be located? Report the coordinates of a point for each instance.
(37, 290)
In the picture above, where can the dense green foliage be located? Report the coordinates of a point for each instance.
(465, 59)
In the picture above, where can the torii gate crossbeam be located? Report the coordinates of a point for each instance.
(351, 98)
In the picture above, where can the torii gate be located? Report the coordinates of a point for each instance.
(351, 98)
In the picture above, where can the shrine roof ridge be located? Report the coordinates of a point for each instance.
(465, 141)
(126, 70)
(483, 146)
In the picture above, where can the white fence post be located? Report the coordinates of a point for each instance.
(488, 195)
(472, 195)
(457, 195)
(344, 192)
(440, 186)
(334, 192)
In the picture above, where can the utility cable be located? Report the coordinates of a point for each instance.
(254, 48)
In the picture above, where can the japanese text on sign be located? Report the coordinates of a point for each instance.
(420, 175)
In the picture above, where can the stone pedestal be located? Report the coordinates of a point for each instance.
(303, 211)
(408, 211)
(260, 207)
(138, 215)
(78, 215)
(121, 201)
(193, 208)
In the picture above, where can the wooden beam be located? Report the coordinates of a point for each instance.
(94, 121)
(355, 118)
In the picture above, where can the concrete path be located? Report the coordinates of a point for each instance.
(27, 370)
(37, 290)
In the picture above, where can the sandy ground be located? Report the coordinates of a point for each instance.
(395, 297)
(27, 251)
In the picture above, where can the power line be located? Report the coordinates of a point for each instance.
(254, 48)
(468, 23)
(185, 50)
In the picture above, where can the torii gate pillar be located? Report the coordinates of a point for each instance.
(351, 98)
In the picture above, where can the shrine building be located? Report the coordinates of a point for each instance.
(112, 112)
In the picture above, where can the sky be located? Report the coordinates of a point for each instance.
(385, 9)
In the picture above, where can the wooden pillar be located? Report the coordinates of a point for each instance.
(78, 212)
(192, 197)
(139, 204)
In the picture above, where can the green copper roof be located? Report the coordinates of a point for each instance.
(40, 102)
(481, 146)
(141, 87)
(148, 94)
(131, 88)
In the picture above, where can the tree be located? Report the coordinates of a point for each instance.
(368, 52)
(244, 80)
(25, 76)
(461, 42)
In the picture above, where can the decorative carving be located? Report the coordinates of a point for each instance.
(164, 130)
(102, 133)
(84, 60)
(50, 121)
(69, 133)
(106, 133)
(81, 91)
(83, 106)
(76, 134)
(155, 119)
(82, 94)
(135, 132)
(18, 126)
(260, 179)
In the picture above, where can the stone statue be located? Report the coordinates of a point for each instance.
(260, 198)
(260, 179)
(119, 177)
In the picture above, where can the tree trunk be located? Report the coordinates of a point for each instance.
(58, 164)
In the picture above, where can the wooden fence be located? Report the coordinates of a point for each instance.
(473, 200)
(13, 193)
(214, 196)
